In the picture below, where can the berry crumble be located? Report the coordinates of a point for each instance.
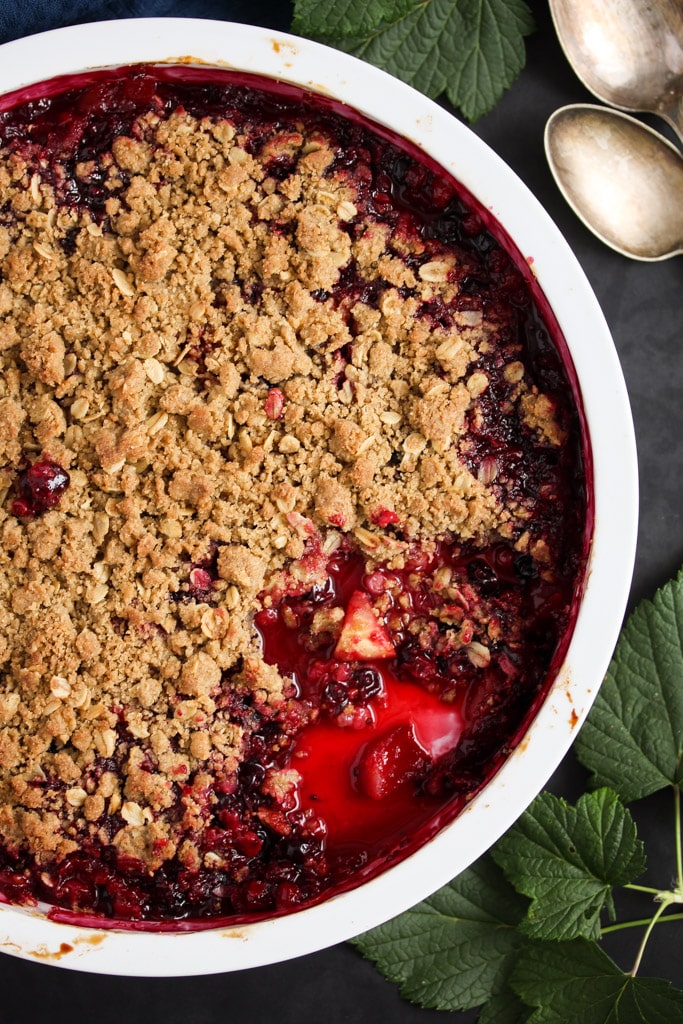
(294, 497)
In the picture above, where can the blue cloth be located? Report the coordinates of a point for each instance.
(24, 17)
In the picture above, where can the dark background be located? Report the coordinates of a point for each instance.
(642, 304)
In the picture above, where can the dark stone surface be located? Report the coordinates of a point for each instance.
(642, 306)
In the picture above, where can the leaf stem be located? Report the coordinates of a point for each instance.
(643, 888)
(638, 924)
(658, 913)
(677, 826)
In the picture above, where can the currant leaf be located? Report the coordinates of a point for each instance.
(566, 859)
(505, 1008)
(633, 738)
(454, 950)
(321, 19)
(567, 982)
(470, 49)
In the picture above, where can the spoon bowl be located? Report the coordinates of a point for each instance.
(628, 53)
(621, 178)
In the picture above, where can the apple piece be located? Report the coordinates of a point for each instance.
(363, 637)
(390, 761)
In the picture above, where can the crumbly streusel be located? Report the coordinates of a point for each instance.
(195, 358)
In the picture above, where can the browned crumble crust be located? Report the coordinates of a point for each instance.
(191, 420)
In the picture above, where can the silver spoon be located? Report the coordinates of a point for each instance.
(620, 177)
(628, 53)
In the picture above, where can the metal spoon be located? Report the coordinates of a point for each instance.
(621, 178)
(629, 53)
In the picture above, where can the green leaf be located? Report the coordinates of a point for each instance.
(572, 982)
(470, 49)
(567, 859)
(633, 738)
(455, 950)
(321, 19)
(504, 1009)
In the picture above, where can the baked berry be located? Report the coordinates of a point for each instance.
(39, 488)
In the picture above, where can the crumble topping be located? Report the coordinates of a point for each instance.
(240, 367)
